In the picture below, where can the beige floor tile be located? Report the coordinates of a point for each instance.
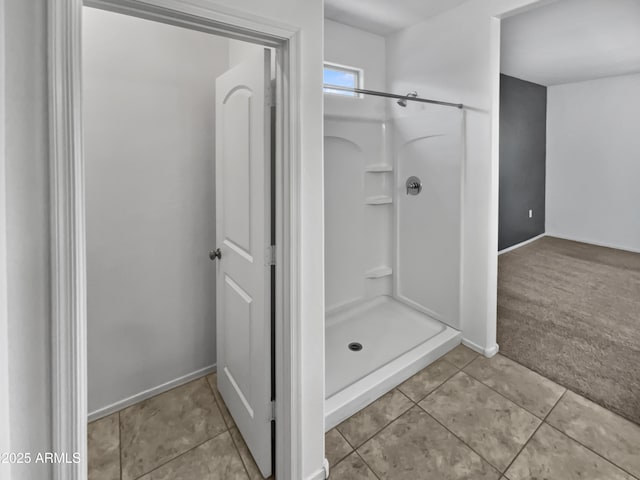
(416, 447)
(427, 380)
(245, 455)
(493, 426)
(352, 468)
(163, 427)
(373, 418)
(217, 459)
(552, 455)
(104, 448)
(335, 447)
(523, 386)
(604, 432)
(228, 419)
(460, 356)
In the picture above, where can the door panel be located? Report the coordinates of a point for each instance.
(236, 169)
(243, 222)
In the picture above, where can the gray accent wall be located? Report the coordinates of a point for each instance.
(523, 132)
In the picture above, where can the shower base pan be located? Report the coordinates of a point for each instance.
(373, 347)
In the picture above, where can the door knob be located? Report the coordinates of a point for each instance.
(213, 254)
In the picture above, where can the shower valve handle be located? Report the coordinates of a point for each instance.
(414, 186)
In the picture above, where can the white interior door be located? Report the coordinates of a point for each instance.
(243, 211)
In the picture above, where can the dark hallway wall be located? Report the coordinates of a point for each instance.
(523, 132)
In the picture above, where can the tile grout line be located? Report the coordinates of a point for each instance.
(463, 441)
(415, 404)
(404, 395)
(375, 434)
(119, 412)
(533, 434)
(445, 427)
(383, 427)
(244, 464)
(568, 389)
(120, 443)
(182, 454)
(215, 400)
(355, 448)
(585, 395)
(591, 450)
(347, 442)
(227, 429)
(544, 419)
(436, 387)
(512, 401)
(367, 465)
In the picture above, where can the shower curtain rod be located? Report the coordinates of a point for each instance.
(392, 95)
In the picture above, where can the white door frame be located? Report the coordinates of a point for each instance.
(69, 314)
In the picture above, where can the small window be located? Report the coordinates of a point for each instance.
(342, 76)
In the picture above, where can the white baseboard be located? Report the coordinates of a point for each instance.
(152, 392)
(487, 352)
(593, 242)
(522, 244)
(321, 474)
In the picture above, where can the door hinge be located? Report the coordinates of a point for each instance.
(273, 410)
(272, 94)
(271, 255)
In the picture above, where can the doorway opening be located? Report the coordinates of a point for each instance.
(178, 172)
(567, 247)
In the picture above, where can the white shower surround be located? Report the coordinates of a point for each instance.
(388, 254)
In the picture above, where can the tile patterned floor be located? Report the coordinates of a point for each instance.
(472, 418)
(464, 417)
(186, 433)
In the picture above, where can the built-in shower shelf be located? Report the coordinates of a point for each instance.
(378, 272)
(379, 200)
(379, 168)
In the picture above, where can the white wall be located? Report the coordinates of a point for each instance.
(149, 97)
(28, 212)
(459, 62)
(573, 41)
(593, 161)
(27, 201)
(239, 51)
(5, 431)
(350, 46)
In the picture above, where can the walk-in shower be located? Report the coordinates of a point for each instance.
(393, 197)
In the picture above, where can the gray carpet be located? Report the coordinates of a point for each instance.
(571, 312)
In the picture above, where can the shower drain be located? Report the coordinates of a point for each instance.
(355, 346)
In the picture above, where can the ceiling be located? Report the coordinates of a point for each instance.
(385, 16)
(572, 40)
